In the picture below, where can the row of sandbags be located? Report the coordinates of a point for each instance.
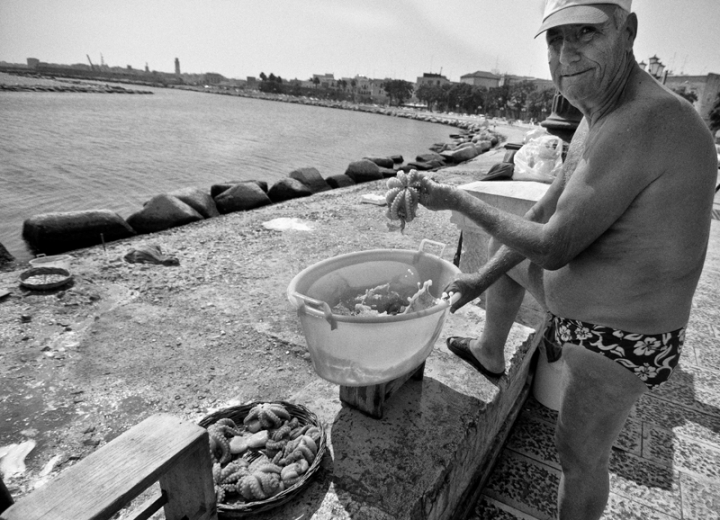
(59, 232)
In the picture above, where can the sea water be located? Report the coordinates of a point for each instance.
(78, 151)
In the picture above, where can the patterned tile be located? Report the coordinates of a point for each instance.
(692, 387)
(535, 439)
(700, 334)
(700, 498)
(681, 452)
(653, 485)
(533, 407)
(622, 508)
(658, 445)
(630, 438)
(680, 419)
(524, 484)
(707, 355)
(525, 436)
(489, 509)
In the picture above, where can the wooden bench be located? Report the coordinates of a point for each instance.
(162, 448)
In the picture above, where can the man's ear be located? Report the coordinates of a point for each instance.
(631, 28)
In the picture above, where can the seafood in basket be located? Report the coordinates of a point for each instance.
(262, 454)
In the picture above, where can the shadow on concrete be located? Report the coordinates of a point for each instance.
(392, 463)
(671, 405)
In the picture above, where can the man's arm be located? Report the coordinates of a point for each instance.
(472, 285)
(613, 169)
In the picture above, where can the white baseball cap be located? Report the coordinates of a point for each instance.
(565, 12)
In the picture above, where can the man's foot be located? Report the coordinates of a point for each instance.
(461, 348)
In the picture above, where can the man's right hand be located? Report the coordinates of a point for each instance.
(435, 196)
(469, 286)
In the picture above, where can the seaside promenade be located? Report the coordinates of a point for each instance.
(125, 341)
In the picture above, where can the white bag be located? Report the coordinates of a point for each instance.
(540, 159)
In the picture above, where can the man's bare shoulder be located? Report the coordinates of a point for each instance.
(652, 131)
(654, 115)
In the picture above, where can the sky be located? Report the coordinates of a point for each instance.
(399, 39)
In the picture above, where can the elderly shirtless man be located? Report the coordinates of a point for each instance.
(613, 250)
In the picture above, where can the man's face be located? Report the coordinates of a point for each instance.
(584, 59)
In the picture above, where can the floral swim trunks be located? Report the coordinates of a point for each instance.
(651, 357)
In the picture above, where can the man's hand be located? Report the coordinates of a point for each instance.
(436, 197)
(469, 286)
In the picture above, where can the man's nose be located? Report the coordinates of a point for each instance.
(569, 52)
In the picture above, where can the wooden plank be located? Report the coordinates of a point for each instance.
(190, 494)
(371, 399)
(108, 479)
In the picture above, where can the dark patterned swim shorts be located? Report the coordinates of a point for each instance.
(651, 357)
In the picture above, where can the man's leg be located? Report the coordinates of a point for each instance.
(598, 396)
(502, 303)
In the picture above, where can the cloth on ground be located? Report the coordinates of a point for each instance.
(150, 254)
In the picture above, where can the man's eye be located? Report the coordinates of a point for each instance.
(554, 39)
(586, 32)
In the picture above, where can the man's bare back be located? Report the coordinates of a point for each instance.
(640, 274)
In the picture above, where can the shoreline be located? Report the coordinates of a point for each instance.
(470, 127)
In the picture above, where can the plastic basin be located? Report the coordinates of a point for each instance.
(369, 350)
(61, 261)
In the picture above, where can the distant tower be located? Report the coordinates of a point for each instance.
(177, 66)
(147, 69)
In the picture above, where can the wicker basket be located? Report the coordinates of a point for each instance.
(237, 414)
(31, 279)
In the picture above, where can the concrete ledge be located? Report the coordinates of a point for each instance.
(434, 448)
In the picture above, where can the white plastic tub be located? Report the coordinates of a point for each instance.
(369, 350)
(548, 381)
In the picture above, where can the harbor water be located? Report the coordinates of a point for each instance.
(79, 151)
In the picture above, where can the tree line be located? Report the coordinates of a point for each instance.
(515, 100)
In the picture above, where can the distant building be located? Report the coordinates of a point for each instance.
(541, 84)
(429, 78)
(213, 78)
(33, 63)
(481, 79)
(706, 89)
(325, 80)
(177, 66)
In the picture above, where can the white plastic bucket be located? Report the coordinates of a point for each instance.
(61, 261)
(369, 350)
(548, 381)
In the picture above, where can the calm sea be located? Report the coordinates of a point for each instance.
(68, 151)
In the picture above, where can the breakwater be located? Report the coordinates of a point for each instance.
(59, 232)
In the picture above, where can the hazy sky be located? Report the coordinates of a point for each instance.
(296, 38)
